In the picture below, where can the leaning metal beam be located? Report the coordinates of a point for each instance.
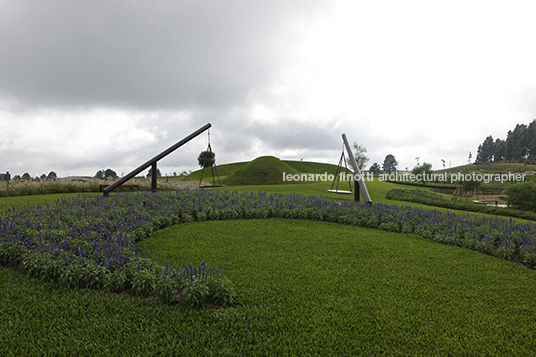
(153, 161)
(356, 170)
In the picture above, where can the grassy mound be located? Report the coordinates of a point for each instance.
(264, 170)
(223, 170)
(312, 167)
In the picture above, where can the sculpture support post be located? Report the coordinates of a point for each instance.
(153, 161)
(154, 177)
(360, 181)
(356, 190)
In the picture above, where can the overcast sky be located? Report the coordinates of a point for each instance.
(89, 85)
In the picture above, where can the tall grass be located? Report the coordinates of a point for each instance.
(82, 184)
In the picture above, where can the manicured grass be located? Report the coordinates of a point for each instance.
(307, 288)
(22, 201)
(316, 287)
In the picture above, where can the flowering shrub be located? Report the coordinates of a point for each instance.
(90, 241)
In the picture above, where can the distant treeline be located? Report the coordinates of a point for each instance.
(520, 144)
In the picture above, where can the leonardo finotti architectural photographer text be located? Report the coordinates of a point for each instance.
(443, 177)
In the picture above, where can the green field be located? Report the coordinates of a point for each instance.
(305, 288)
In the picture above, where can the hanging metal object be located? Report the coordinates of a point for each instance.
(213, 168)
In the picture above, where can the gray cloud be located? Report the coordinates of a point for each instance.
(139, 54)
(86, 85)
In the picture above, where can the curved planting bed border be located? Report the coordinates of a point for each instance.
(90, 241)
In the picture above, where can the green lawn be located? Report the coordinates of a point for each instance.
(313, 287)
(307, 288)
(22, 201)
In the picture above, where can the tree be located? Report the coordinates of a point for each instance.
(389, 164)
(375, 168)
(43, 177)
(104, 174)
(508, 150)
(498, 150)
(524, 153)
(522, 195)
(485, 150)
(206, 159)
(150, 173)
(359, 155)
(52, 175)
(110, 173)
(422, 172)
(26, 176)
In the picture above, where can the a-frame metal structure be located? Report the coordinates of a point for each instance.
(359, 183)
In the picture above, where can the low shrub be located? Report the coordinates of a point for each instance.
(433, 199)
(167, 288)
(72, 275)
(116, 280)
(522, 195)
(144, 282)
(505, 253)
(196, 293)
(221, 292)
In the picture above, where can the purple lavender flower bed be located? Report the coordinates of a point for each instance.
(91, 241)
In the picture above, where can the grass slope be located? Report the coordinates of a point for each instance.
(300, 166)
(264, 170)
(312, 167)
(223, 170)
(493, 167)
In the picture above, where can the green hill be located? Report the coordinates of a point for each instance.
(493, 167)
(264, 170)
(223, 170)
(254, 173)
(312, 167)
